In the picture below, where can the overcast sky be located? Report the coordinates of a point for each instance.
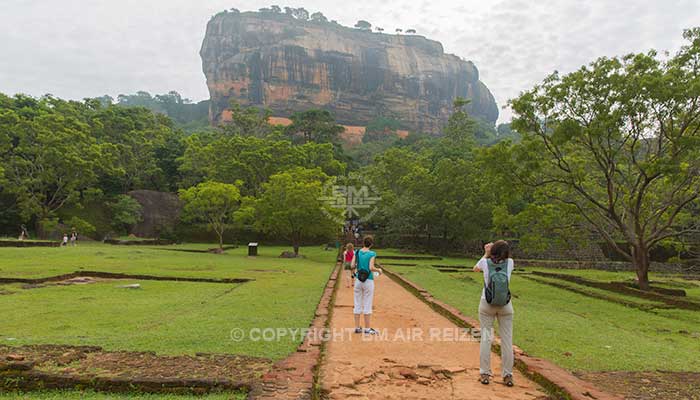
(86, 48)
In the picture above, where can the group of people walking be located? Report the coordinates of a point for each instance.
(360, 269)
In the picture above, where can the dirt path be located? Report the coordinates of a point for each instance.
(419, 354)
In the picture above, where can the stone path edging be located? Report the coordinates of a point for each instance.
(295, 376)
(554, 378)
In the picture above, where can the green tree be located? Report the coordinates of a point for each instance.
(318, 17)
(460, 128)
(314, 126)
(211, 203)
(617, 143)
(251, 160)
(126, 212)
(364, 25)
(248, 121)
(80, 226)
(292, 207)
(51, 157)
(130, 138)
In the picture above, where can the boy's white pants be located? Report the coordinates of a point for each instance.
(504, 315)
(364, 294)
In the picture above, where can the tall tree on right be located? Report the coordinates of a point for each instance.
(618, 143)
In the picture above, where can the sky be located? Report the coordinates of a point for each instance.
(87, 48)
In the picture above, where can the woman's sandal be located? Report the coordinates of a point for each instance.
(484, 379)
(508, 380)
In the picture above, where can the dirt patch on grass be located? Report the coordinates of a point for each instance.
(656, 385)
(65, 367)
(111, 275)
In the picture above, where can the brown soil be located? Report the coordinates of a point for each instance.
(93, 362)
(648, 385)
(392, 368)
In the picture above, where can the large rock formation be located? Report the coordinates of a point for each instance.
(292, 65)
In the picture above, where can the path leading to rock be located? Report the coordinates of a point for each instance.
(419, 354)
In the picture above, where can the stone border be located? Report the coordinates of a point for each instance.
(623, 288)
(419, 258)
(139, 242)
(18, 374)
(22, 376)
(113, 275)
(558, 381)
(295, 377)
(29, 243)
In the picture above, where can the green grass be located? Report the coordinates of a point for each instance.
(598, 334)
(89, 395)
(163, 316)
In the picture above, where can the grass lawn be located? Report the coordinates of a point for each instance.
(79, 395)
(163, 316)
(574, 330)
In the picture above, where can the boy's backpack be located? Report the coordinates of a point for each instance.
(497, 292)
(362, 274)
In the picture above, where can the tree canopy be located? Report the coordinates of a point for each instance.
(617, 144)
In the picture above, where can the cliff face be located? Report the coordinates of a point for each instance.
(290, 65)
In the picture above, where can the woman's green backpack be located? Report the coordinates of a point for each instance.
(496, 291)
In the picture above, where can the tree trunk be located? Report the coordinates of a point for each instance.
(296, 249)
(221, 240)
(640, 261)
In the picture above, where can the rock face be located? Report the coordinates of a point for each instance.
(290, 65)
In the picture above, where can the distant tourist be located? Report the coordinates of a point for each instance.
(65, 239)
(495, 304)
(364, 285)
(23, 234)
(348, 261)
(73, 238)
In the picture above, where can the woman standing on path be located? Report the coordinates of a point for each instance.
(348, 262)
(364, 285)
(495, 303)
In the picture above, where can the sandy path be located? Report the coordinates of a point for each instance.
(419, 354)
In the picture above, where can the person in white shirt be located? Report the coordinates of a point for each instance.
(498, 253)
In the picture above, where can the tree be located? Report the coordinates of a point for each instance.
(302, 14)
(617, 142)
(399, 30)
(318, 17)
(130, 138)
(379, 29)
(275, 9)
(291, 207)
(251, 160)
(51, 157)
(126, 212)
(314, 126)
(212, 203)
(248, 121)
(298, 13)
(364, 25)
(460, 127)
(80, 226)
(410, 31)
